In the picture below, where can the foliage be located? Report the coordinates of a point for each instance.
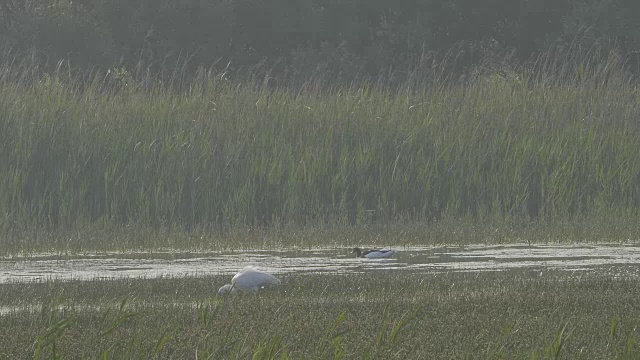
(378, 40)
(113, 149)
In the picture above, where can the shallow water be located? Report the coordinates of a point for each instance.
(616, 259)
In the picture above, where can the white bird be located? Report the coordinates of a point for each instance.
(373, 254)
(227, 288)
(249, 279)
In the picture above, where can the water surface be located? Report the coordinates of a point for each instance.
(617, 259)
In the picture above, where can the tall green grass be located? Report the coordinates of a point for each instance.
(218, 155)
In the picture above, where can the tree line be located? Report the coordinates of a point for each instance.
(293, 39)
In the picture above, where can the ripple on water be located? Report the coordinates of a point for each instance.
(417, 259)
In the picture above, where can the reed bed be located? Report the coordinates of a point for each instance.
(220, 156)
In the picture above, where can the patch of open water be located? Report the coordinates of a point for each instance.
(621, 259)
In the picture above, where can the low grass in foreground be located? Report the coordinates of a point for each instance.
(382, 314)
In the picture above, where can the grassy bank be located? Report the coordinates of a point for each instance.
(514, 314)
(513, 149)
(612, 228)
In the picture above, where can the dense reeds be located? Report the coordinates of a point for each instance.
(217, 154)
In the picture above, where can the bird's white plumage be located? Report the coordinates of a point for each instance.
(252, 279)
(379, 254)
(249, 279)
(374, 254)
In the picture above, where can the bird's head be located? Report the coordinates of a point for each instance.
(226, 289)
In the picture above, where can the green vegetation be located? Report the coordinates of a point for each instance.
(346, 41)
(244, 124)
(498, 150)
(516, 314)
(224, 124)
